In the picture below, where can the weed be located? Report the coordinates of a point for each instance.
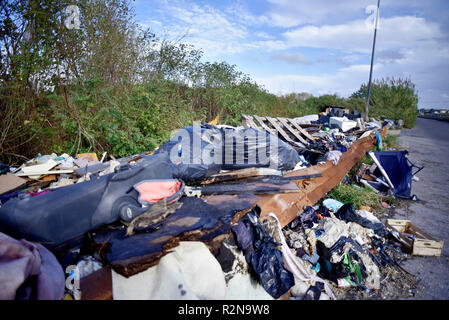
(359, 196)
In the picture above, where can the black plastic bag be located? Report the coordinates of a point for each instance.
(197, 152)
(185, 152)
(251, 147)
(262, 255)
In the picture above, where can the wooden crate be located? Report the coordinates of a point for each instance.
(415, 240)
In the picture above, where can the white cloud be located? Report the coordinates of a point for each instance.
(270, 45)
(205, 27)
(407, 45)
(291, 13)
(344, 82)
(292, 58)
(356, 36)
(264, 35)
(241, 13)
(423, 64)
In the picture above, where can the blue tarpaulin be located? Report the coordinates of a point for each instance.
(398, 169)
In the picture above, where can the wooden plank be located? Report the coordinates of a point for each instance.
(279, 129)
(250, 122)
(262, 123)
(304, 132)
(293, 131)
(420, 233)
(41, 173)
(241, 174)
(196, 220)
(263, 186)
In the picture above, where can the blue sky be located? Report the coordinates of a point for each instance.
(315, 46)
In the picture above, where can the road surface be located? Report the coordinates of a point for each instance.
(428, 145)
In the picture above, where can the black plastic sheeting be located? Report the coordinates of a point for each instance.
(225, 149)
(262, 254)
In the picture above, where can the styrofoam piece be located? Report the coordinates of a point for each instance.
(343, 123)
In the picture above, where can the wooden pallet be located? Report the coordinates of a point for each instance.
(288, 129)
(415, 240)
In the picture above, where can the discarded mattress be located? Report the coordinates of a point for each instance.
(179, 275)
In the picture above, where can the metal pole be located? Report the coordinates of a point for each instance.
(372, 60)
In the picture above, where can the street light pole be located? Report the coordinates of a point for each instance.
(372, 60)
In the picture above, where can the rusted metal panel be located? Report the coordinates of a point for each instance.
(97, 285)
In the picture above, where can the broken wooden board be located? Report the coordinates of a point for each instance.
(286, 206)
(264, 126)
(304, 132)
(196, 220)
(240, 174)
(290, 134)
(252, 175)
(282, 133)
(97, 285)
(37, 174)
(9, 182)
(265, 185)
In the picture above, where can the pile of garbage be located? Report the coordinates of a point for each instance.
(349, 248)
(92, 211)
(333, 132)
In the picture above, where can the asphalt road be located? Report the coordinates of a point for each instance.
(428, 145)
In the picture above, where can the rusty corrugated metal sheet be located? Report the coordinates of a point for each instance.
(286, 206)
